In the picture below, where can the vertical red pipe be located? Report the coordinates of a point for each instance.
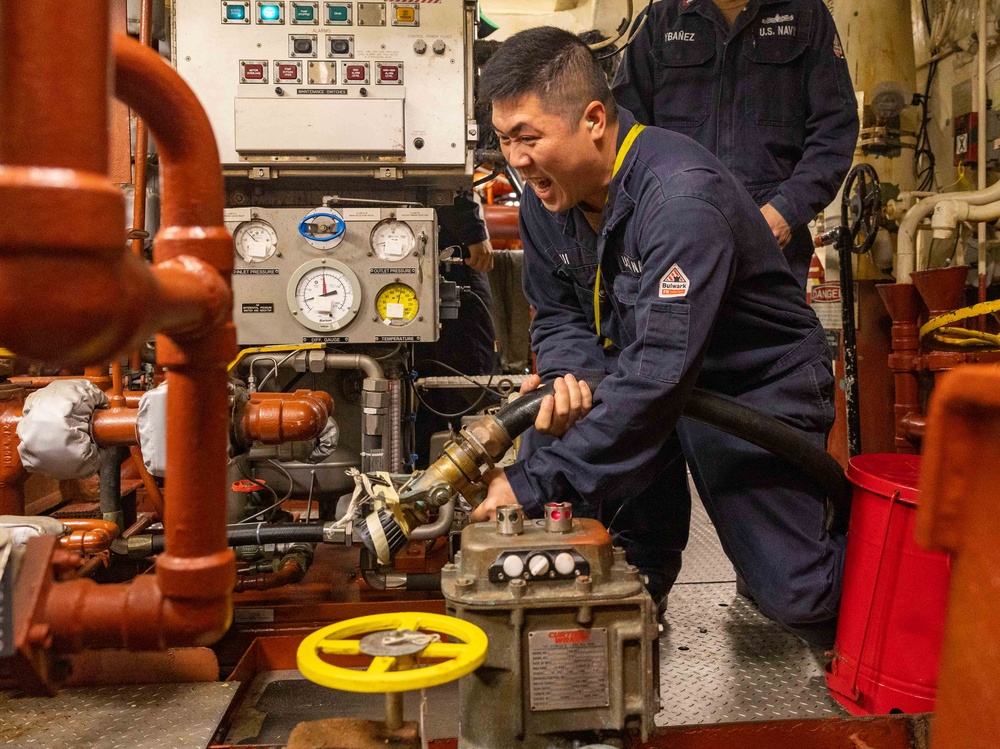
(189, 601)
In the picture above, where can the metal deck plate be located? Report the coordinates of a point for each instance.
(704, 560)
(154, 716)
(723, 661)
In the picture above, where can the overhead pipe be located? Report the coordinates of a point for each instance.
(948, 214)
(188, 601)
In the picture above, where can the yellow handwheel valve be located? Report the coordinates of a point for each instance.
(395, 642)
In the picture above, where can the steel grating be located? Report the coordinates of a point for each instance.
(153, 716)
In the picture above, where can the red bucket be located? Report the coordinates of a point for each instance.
(892, 610)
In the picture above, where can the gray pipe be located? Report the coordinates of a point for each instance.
(446, 513)
(366, 364)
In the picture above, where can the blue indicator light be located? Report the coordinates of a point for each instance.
(270, 12)
(236, 12)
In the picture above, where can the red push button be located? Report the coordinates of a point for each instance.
(253, 71)
(288, 72)
(356, 73)
(388, 73)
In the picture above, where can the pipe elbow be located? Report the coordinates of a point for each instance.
(195, 622)
(196, 297)
(947, 215)
(290, 418)
(88, 536)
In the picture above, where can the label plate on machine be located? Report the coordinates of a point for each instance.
(568, 669)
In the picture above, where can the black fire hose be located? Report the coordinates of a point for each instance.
(730, 416)
(258, 534)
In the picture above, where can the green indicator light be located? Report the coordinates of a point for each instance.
(236, 12)
(270, 12)
(303, 13)
(338, 13)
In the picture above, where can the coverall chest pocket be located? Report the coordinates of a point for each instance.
(579, 267)
(775, 73)
(575, 264)
(626, 288)
(684, 73)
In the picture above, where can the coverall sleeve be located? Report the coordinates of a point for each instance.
(562, 334)
(633, 84)
(831, 128)
(463, 221)
(611, 453)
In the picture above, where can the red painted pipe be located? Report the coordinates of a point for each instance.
(275, 418)
(12, 473)
(88, 536)
(189, 599)
(501, 221)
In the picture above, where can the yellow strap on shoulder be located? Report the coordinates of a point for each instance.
(626, 146)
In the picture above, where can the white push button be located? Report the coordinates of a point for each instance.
(565, 564)
(513, 566)
(538, 565)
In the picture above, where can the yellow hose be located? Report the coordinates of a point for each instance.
(939, 334)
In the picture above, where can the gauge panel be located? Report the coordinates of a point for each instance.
(386, 297)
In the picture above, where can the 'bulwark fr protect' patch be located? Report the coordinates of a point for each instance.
(674, 283)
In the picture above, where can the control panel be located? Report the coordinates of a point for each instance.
(323, 83)
(339, 276)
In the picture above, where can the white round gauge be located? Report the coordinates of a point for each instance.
(324, 295)
(392, 240)
(255, 240)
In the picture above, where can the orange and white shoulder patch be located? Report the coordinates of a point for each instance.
(674, 283)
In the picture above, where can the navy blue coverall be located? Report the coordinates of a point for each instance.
(694, 290)
(771, 97)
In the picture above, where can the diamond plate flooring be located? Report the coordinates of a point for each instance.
(723, 661)
(153, 716)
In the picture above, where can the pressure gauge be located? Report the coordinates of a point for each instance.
(392, 240)
(324, 295)
(397, 304)
(255, 240)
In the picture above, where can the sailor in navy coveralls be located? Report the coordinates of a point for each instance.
(765, 88)
(647, 262)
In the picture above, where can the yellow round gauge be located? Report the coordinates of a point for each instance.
(397, 304)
